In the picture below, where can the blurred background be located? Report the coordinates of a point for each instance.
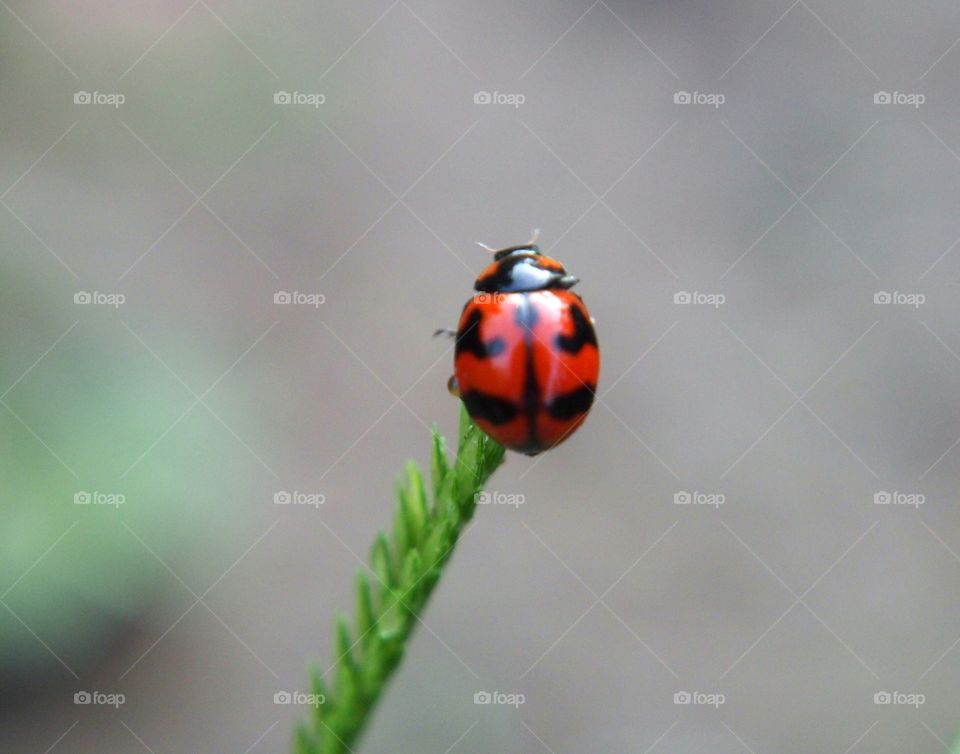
(226, 234)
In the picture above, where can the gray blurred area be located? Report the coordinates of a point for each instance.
(787, 198)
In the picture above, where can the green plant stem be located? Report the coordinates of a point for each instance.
(404, 569)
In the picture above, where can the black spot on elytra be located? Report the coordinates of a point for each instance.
(531, 447)
(572, 404)
(493, 409)
(583, 333)
(468, 339)
(526, 317)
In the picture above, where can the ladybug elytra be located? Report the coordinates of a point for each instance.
(526, 356)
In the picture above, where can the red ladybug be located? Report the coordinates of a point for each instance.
(527, 359)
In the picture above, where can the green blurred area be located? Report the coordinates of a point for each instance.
(100, 412)
(76, 574)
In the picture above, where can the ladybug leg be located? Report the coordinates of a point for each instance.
(534, 235)
(445, 331)
(453, 386)
(482, 245)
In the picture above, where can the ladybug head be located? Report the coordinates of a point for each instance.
(523, 268)
(527, 248)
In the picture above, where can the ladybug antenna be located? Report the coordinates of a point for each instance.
(531, 244)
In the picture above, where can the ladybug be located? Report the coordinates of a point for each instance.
(526, 356)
